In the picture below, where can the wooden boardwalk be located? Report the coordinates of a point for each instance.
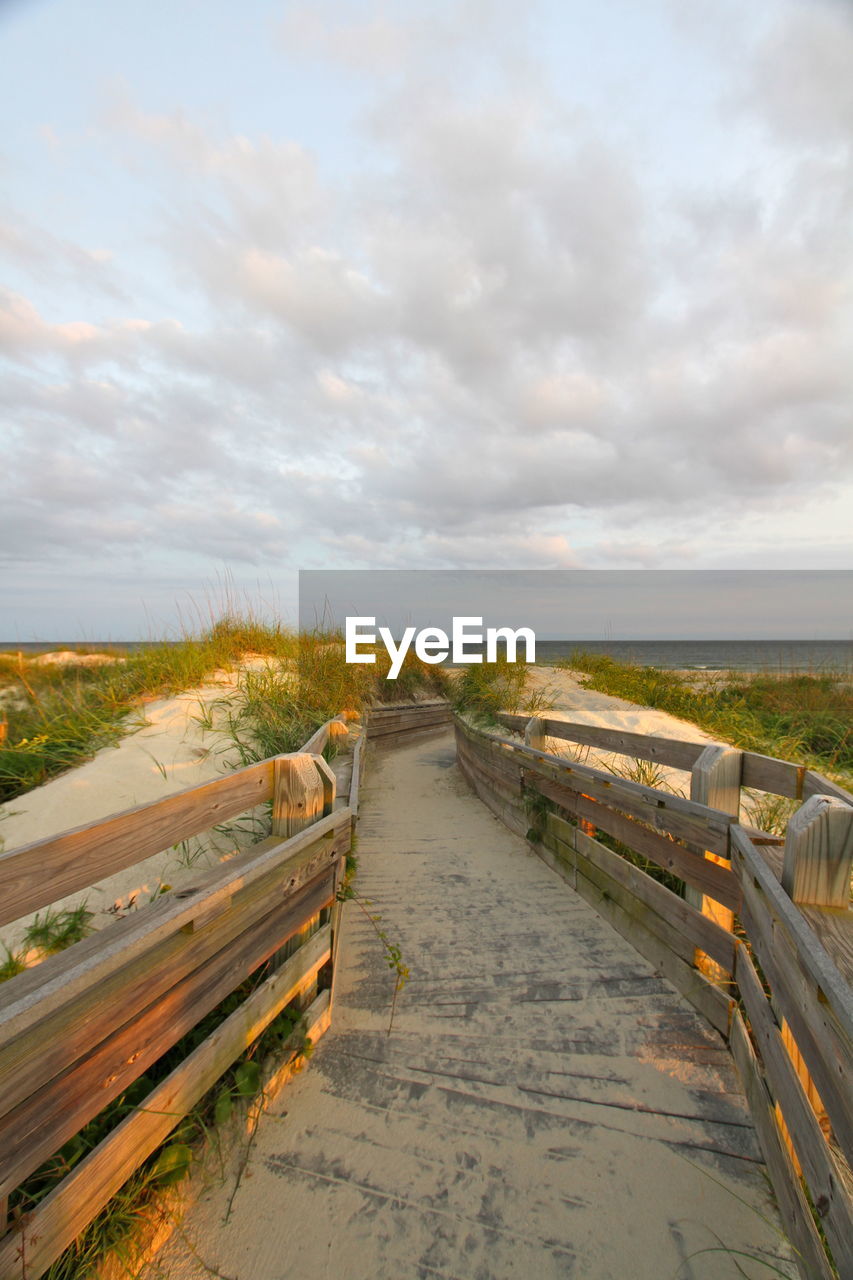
(545, 1106)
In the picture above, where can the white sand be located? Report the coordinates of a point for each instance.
(171, 752)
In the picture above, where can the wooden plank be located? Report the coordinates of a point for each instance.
(825, 1182)
(381, 709)
(62, 1215)
(535, 733)
(811, 954)
(792, 1203)
(506, 791)
(815, 784)
(715, 780)
(779, 777)
(329, 782)
(835, 930)
(639, 746)
(37, 874)
(419, 724)
(764, 773)
(507, 780)
(707, 828)
(61, 1014)
(810, 993)
(798, 1001)
(355, 779)
(52, 1114)
(316, 743)
(394, 722)
(717, 881)
(819, 853)
(696, 928)
(498, 763)
(613, 888)
(512, 816)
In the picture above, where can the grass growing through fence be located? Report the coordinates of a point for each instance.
(796, 716)
(173, 1160)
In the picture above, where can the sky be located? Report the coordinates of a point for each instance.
(346, 285)
(588, 604)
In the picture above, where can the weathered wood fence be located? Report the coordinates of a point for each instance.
(773, 978)
(79, 1028)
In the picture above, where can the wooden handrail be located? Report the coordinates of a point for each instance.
(79, 1028)
(763, 773)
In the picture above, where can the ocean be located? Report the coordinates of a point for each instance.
(726, 655)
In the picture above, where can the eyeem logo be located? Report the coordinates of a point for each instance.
(433, 645)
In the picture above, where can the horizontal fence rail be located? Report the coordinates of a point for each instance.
(761, 943)
(82, 1026)
(390, 722)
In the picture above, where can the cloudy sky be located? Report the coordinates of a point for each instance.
(446, 284)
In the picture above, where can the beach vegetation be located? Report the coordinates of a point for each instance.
(56, 715)
(55, 930)
(484, 689)
(804, 717)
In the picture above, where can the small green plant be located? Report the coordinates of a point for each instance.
(56, 930)
(537, 807)
(392, 951)
(12, 965)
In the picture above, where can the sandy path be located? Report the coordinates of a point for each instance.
(546, 1105)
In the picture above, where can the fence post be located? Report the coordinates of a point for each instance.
(299, 794)
(534, 734)
(303, 792)
(715, 781)
(819, 853)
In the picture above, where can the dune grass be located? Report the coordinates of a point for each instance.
(53, 717)
(804, 718)
(486, 688)
(277, 707)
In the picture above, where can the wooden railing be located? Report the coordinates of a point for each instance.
(398, 720)
(774, 981)
(79, 1028)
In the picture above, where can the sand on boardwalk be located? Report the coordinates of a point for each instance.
(171, 751)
